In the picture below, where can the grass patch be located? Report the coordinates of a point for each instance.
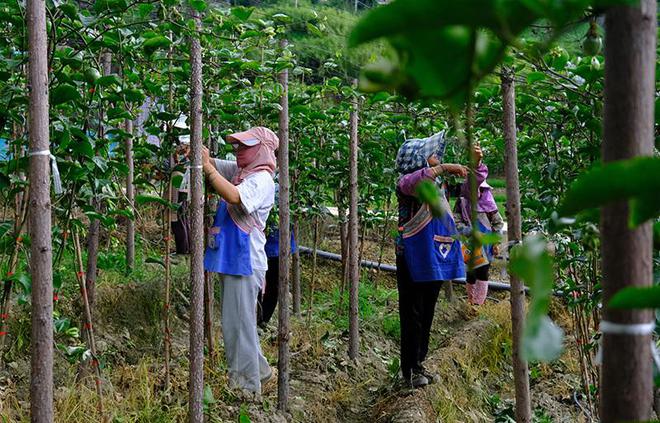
(471, 364)
(499, 198)
(374, 306)
(497, 182)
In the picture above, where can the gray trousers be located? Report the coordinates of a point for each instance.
(245, 361)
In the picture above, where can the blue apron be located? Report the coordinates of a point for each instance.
(488, 248)
(430, 248)
(228, 249)
(273, 243)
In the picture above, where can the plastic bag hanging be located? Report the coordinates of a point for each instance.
(57, 179)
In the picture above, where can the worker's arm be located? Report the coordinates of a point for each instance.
(219, 183)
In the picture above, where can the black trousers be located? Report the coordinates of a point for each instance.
(181, 231)
(268, 300)
(416, 309)
(480, 273)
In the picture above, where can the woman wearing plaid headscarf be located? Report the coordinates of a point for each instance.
(427, 251)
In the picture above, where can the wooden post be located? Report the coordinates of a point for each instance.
(167, 340)
(285, 245)
(41, 252)
(630, 52)
(130, 197)
(354, 266)
(94, 233)
(520, 369)
(91, 342)
(196, 386)
(295, 271)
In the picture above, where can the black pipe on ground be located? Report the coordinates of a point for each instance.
(497, 286)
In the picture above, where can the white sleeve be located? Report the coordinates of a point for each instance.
(227, 168)
(257, 191)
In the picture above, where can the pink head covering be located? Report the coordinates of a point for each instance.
(265, 156)
(485, 200)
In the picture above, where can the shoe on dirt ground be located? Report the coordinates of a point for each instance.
(430, 376)
(265, 378)
(418, 380)
(414, 381)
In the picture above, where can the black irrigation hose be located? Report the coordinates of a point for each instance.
(496, 286)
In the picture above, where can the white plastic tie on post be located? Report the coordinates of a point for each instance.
(629, 329)
(195, 167)
(57, 179)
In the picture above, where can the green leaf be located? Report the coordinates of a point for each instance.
(208, 395)
(242, 13)
(534, 77)
(69, 10)
(427, 192)
(405, 16)
(281, 17)
(314, 30)
(634, 297)
(243, 416)
(490, 238)
(109, 5)
(155, 43)
(644, 207)
(100, 163)
(543, 341)
(198, 5)
(617, 181)
(531, 262)
(422, 70)
(144, 199)
(177, 180)
(145, 9)
(133, 95)
(64, 93)
(23, 279)
(109, 80)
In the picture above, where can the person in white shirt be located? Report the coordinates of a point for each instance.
(235, 247)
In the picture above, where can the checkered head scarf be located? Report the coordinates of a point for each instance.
(414, 152)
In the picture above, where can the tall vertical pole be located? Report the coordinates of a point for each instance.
(130, 197)
(41, 252)
(630, 60)
(520, 368)
(196, 232)
(353, 265)
(285, 245)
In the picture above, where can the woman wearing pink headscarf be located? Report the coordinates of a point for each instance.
(489, 220)
(235, 248)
